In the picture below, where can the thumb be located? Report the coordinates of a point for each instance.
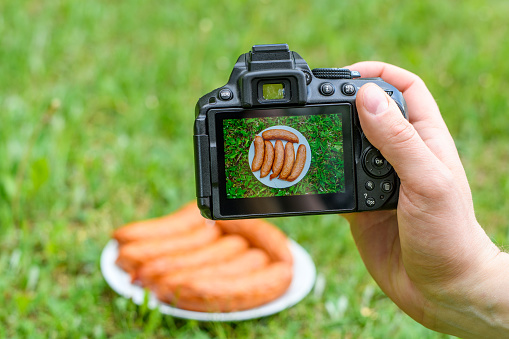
(393, 135)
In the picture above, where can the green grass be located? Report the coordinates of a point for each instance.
(97, 104)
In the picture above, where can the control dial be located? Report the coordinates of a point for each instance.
(335, 73)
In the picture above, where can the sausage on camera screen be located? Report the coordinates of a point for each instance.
(280, 134)
(289, 160)
(259, 147)
(267, 160)
(279, 158)
(299, 163)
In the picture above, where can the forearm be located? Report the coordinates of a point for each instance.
(480, 310)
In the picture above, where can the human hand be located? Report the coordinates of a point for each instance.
(431, 257)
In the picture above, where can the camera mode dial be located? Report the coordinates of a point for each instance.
(335, 73)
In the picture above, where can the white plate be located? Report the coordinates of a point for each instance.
(304, 273)
(276, 182)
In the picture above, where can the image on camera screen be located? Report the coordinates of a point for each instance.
(317, 156)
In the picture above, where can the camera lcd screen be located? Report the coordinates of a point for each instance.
(285, 160)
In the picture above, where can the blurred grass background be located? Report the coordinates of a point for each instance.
(97, 104)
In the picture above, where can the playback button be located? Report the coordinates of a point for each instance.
(387, 187)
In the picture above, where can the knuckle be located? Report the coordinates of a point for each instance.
(417, 79)
(400, 133)
(437, 186)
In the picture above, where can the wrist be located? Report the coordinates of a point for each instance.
(477, 306)
(492, 297)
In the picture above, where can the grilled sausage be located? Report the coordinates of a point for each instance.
(184, 220)
(222, 249)
(133, 254)
(280, 134)
(299, 163)
(289, 160)
(226, 294)
(259, 148)
(279, 157)
(251, 260)
(267, 160)
(260, 234)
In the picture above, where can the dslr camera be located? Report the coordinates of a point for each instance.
(280, 139)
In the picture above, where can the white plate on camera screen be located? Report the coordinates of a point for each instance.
(276, 182)
(304, 274)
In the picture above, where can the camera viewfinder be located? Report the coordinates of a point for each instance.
(273, 91)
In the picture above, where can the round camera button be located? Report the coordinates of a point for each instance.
(379, 161)
(370, 185)
(370, 202)
(348, 89)
(225, 94)
(387, 187)
(327, 88)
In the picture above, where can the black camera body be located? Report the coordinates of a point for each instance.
(280, 139)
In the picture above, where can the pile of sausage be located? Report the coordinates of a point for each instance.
(201, 265)
(281, 160)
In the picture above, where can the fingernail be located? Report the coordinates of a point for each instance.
(375, 100)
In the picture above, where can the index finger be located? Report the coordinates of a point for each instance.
(396, 76)
(420, 102)
(423, 112)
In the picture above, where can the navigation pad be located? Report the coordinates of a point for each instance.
(375, 164)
